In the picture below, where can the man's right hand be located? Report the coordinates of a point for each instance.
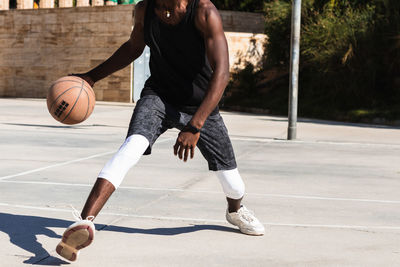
(84, 76)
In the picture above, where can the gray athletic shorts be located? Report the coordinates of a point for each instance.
(152, 117)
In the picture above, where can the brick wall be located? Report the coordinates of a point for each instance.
(244, 32)
(39, 46)
(235, 21)
(245, 47)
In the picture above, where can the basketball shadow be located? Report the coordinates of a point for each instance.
(24, 229)
(62, 126)
(45, 126)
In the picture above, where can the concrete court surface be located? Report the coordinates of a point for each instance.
(331, 198)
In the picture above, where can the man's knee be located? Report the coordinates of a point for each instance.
(232, 183)
(127, 156)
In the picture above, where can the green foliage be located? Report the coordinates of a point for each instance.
(277, 21)
(350, 58)
(245, 82)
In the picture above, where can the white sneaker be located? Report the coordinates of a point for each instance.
(77, 236)
(246, 221)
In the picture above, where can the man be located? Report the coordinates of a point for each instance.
(189, 72)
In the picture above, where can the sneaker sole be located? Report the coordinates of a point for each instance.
(255, 233)
(251, 233)
(73, 240)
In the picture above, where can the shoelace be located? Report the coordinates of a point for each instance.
(246, 214)
(77, 216)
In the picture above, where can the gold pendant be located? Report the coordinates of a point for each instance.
(168, 14)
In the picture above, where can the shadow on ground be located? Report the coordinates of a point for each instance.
(61, 126)
(24, 229)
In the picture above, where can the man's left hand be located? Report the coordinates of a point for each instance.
(185, 143)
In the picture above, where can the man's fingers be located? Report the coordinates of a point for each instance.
(176, 146)
(180, 152)
(192, 151)
(186, 153)
(185, 145)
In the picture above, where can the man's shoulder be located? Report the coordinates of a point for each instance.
(141, 6)
(204, 7)
(206, 10)
(140, 10)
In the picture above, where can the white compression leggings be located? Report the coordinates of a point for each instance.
(132, 150)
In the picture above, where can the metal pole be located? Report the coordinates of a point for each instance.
(294, 68)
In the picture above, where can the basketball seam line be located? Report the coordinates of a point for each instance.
(55, 100)
(74, 104)
(87, 109)
(68, 81)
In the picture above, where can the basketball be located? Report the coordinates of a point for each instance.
(70, 100)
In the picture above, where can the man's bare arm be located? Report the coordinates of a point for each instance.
(210, 25)
(127, 52)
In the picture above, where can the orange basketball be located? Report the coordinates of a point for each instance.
(70, 100)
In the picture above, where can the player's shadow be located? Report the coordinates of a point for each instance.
(171, 230)
(24, 229)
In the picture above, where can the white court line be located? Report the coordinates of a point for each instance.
(332, 226)
(272, 140)
(66, 163)
(263, 140)
(383, 201)
(56, 165)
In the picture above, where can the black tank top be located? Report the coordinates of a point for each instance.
(180, 71)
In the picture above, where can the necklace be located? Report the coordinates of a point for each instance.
(168, 14)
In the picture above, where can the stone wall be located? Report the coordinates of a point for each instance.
(235, 21)
(39, 46)
(244, 32)
(245, 47)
